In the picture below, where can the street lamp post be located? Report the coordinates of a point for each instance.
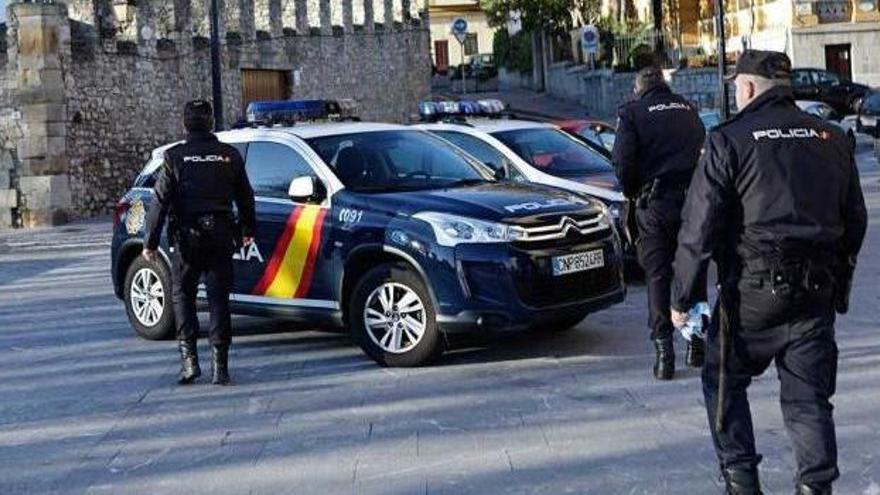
(722, 50)
(216, 81)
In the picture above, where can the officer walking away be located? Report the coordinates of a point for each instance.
(659, 136)
(776, 202)
(196, 187)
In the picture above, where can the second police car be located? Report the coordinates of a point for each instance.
(392, 233)
(527, 151)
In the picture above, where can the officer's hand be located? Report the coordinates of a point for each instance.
(247, 241)
(678, 318)
(149, 254)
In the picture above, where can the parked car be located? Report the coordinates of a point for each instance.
(869, 114)
(595, 131)
(482, 66)
(820, 85)
(391, 233)
(528, 151)
(825, 112)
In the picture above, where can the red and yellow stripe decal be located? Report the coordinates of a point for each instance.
(289, 272)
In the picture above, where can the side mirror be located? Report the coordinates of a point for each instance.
(303, 189)
(500, 171)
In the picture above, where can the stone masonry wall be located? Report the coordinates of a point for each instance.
(126, 80)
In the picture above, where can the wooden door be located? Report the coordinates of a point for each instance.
(837, 60)
(441, 56)
(262, 85)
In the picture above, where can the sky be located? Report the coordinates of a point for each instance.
(3, 9)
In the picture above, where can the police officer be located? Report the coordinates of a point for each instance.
(659, 136)
(776, 202)
(196, 187)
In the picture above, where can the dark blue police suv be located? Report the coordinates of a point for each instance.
(393, 234)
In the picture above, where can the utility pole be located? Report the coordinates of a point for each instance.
(722, 50)
(216, 81)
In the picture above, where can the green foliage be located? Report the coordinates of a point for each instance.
(551, 16)
(512, 52)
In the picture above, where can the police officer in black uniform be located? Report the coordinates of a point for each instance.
(659, 136)
(776, 202)
(196, 187)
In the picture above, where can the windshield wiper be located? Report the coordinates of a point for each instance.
(466, 182)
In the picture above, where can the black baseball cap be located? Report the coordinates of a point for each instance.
(763, 63)
(198, 116)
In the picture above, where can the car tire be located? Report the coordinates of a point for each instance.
(150, 280)
(415, 340)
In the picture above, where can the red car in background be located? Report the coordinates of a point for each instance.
(596, 132)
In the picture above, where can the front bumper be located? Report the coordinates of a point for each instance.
(511, 286)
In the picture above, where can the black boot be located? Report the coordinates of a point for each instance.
(189, 362)
(221, 364)
(664, 367)
(695, 353)
(741, 481)
(805, 489)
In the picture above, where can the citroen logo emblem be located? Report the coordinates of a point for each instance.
(567, 225)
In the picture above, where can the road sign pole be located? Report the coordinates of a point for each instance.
(722, 50)
(459, 29)
(216, 81)
(461, 66)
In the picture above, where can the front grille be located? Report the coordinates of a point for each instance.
(559, 227)
(541, 289)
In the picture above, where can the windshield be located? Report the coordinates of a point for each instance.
(555, 152)
(386, 161)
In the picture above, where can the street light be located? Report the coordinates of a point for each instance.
(722, 51)
(216, 81)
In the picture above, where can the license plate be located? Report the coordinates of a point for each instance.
(869, 121)
(578, 262)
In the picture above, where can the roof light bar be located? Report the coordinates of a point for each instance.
(436, 110)
(289, 112)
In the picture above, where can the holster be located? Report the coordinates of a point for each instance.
(843, 285)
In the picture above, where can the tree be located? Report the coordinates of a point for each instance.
(552, 16)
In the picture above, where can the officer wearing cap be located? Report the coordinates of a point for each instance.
(776, 202)
(659, 136)
(196, 187)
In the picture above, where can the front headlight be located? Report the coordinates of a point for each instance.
(615, 210)
(451, 230)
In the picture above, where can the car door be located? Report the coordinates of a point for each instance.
(288, 263)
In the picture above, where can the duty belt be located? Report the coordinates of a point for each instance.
(792, 275)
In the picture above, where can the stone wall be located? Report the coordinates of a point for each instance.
(123, 82)
(601, 92)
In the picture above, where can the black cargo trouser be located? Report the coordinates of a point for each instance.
(210, 254)
(797, 332)
(659, 222)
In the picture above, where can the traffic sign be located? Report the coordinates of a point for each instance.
(459, 29)
(590, 39)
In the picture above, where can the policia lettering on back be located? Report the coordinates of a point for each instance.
(785, 261)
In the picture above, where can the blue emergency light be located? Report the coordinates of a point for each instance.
(436, 110)
(288, 112)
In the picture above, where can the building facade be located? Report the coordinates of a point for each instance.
(841, 36)
(446, 51)
(89, 87)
